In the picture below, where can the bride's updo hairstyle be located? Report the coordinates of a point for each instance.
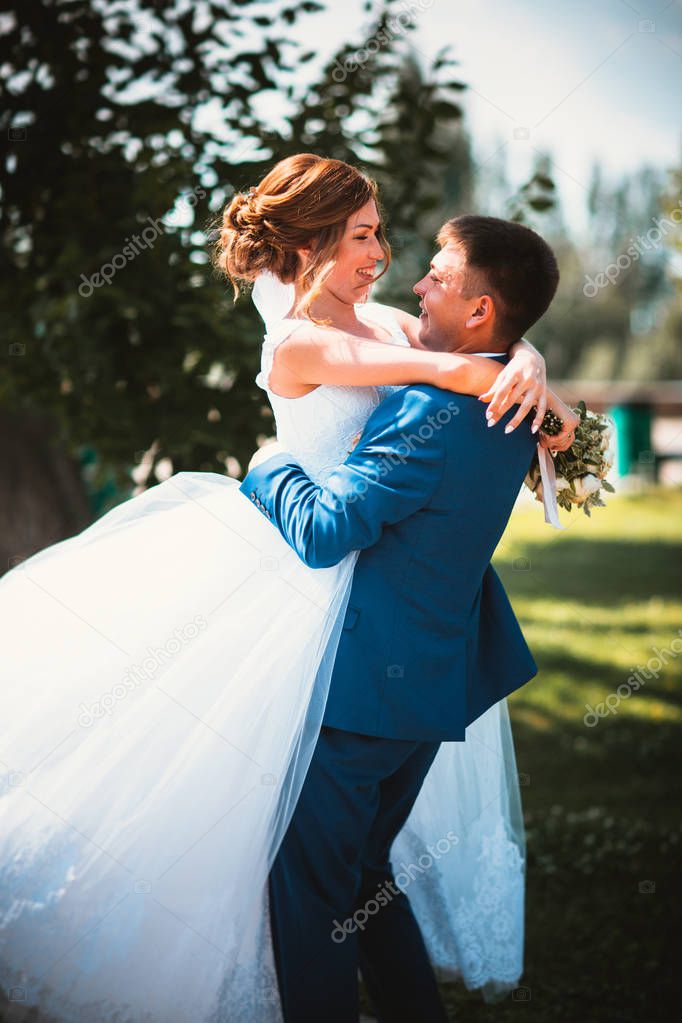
(303, 203)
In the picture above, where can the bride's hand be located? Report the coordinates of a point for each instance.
(570, 419)
(523, 381)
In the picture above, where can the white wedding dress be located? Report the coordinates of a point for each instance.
(164, 676)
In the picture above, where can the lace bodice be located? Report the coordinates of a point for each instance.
(320, 428)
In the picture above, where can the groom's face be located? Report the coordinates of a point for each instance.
(444, 312)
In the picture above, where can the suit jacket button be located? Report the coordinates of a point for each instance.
(252, 494)
(395, 671)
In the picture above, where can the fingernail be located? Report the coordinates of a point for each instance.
(491, 422)
(488, 414)
(508, 428)
(534, 429)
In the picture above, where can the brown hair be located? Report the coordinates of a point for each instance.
(508, 261)
(303, 202)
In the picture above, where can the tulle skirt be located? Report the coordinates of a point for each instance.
(164, 677)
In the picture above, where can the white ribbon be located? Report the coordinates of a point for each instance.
(548, 477)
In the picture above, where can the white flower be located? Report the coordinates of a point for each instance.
(606, 438)
(561, 484)
(585, 486)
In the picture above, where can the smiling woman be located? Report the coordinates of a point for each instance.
(302, 207)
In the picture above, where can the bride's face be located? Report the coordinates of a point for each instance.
(357, 256)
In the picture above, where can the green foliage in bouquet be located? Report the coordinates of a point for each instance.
(581, 470)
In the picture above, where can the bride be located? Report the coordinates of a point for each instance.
(165, 674)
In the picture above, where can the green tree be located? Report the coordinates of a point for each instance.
(120, 328)
(106, 164)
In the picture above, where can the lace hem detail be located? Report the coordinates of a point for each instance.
(480, 942)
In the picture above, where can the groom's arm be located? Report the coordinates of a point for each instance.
(392, 473)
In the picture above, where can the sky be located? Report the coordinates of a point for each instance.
(581, 79)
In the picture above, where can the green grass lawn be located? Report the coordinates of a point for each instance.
(601, 802)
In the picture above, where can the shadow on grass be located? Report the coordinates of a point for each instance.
(582, 671)
(570, 623)
(593, 572)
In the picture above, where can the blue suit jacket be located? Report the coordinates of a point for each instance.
(430, 640)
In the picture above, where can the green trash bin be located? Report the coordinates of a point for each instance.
(101, 488)
(633, 432)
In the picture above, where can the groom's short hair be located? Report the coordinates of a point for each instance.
(509, 262)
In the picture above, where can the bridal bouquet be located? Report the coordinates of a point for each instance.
(581, 471)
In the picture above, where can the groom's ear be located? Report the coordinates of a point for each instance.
(482, 313)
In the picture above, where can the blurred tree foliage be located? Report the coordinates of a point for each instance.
(113, 165)
(129, 124)
(99, 104)
(617, 313)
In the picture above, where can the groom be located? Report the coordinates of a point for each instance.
(429, 640)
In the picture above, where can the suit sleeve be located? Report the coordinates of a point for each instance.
(392, 473)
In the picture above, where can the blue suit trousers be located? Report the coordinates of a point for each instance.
(323, 886)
